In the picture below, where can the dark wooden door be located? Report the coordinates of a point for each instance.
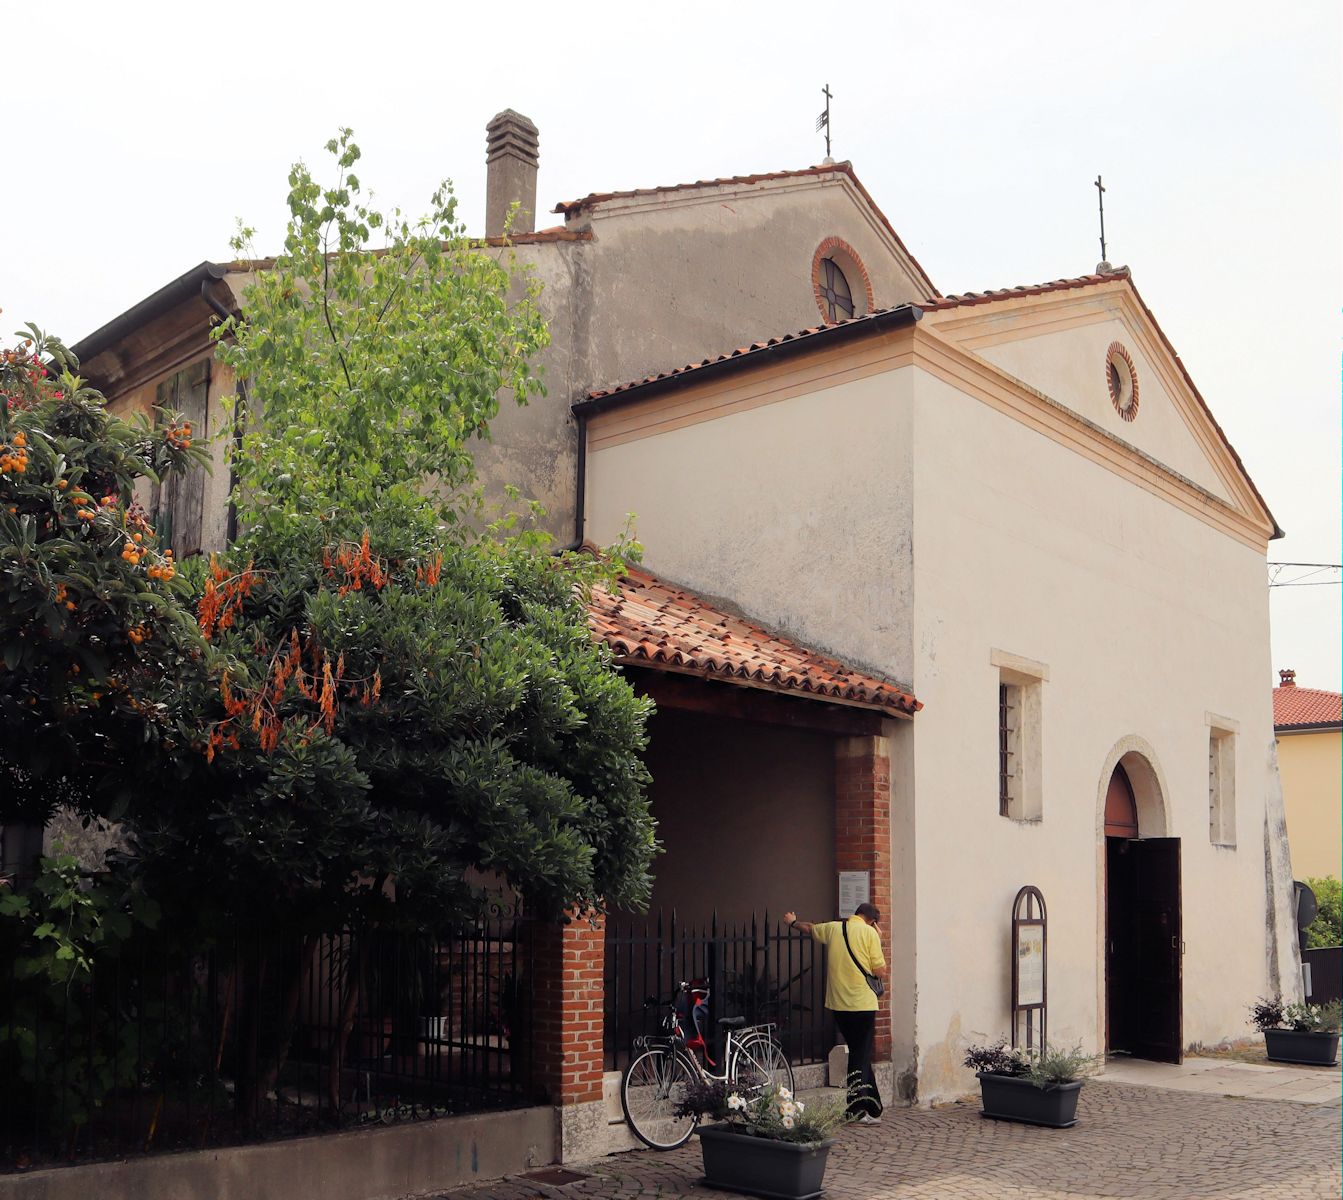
(1158, 951)
(1144, 977)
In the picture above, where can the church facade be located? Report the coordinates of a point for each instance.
(1017, 504)
(959, 594)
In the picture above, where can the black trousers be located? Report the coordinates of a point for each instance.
(856, 1028)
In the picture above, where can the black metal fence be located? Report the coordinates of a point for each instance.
(263, 1036)
(1326, 973)
(754, 967)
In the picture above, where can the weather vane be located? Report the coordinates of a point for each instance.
(1100, 196)
(823, 121)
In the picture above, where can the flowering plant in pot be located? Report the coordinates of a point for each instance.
(1042, 1089)
(1298, 1033)
(765, 1143)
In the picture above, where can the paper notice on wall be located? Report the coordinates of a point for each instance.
(855, 888)
(1030, 965)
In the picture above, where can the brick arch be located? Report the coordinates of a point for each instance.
(1118, 356)
(849, 262)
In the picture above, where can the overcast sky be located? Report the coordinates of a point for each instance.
(138, 133)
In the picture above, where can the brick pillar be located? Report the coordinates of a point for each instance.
(863, 840)
(568, 963)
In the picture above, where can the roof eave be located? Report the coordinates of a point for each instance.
(883, 322)
(185, 287)
(901, 712)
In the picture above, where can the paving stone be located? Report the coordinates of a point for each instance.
(1130, 1143)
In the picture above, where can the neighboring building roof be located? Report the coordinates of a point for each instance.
(651, 623)
(1305, 708)
(571, 208)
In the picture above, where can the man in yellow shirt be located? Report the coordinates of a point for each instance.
(849, 996)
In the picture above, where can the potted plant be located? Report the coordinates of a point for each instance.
(768, 1144)
(1298, 1033)
(1039, 1090)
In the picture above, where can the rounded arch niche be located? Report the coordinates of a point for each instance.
(1148, 782)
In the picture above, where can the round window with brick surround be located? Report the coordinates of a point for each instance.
(840, 282)
(1122, 381)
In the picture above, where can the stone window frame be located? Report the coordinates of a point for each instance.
(1021, 694)
(855, 272)
(1222, 732)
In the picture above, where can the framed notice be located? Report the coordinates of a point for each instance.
(855, 888)
(1030, 965)
(1030, 969)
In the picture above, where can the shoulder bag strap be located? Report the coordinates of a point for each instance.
(844, 929)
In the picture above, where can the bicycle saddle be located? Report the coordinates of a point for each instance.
(731, 1022)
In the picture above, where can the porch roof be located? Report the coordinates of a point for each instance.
(648, 622)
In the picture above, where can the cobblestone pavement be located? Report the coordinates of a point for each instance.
(1143, 1142)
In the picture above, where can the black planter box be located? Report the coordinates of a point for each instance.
(1010, 1099)
(1301, 1046)
(738, 1162)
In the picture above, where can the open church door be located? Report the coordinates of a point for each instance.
(1157, 1005)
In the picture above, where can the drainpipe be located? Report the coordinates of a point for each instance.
(580, 485)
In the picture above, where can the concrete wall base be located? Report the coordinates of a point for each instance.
(365, 1164)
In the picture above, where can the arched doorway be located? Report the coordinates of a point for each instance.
(1143, 994)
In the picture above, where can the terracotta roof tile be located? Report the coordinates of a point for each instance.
(571, 208)
(1298, 707)
(651, 623)
(938, 303)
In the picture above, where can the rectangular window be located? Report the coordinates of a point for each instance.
(1221, 786)
(1020, 739)
(1009, 749)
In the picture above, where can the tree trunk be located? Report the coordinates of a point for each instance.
(349, 1006)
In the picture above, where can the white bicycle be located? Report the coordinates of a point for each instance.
(664, 1067)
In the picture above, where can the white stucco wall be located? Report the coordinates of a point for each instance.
(905, 525)
(1070, 366)
(798, 512)
(1148, 621)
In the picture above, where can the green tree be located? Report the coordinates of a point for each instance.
(1327, 928)
(93, 620)
(404, 698)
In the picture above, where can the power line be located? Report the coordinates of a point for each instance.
(1276, 569)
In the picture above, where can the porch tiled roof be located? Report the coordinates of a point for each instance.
(648, 622)
(1298, 707)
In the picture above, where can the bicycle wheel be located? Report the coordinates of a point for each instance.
(761, 1063)
(652, 1086)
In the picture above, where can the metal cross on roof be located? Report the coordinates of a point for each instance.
(1100, 195)
(823, 121)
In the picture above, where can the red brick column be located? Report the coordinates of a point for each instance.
(568, 963)
(863, 839)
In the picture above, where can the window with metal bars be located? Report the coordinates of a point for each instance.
(1008, 747)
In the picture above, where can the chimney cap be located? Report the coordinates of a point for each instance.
(511, 115)
(510, 133)
(1288, 677)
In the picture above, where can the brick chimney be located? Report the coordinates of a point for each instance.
(1288, 678)
(511, 154)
